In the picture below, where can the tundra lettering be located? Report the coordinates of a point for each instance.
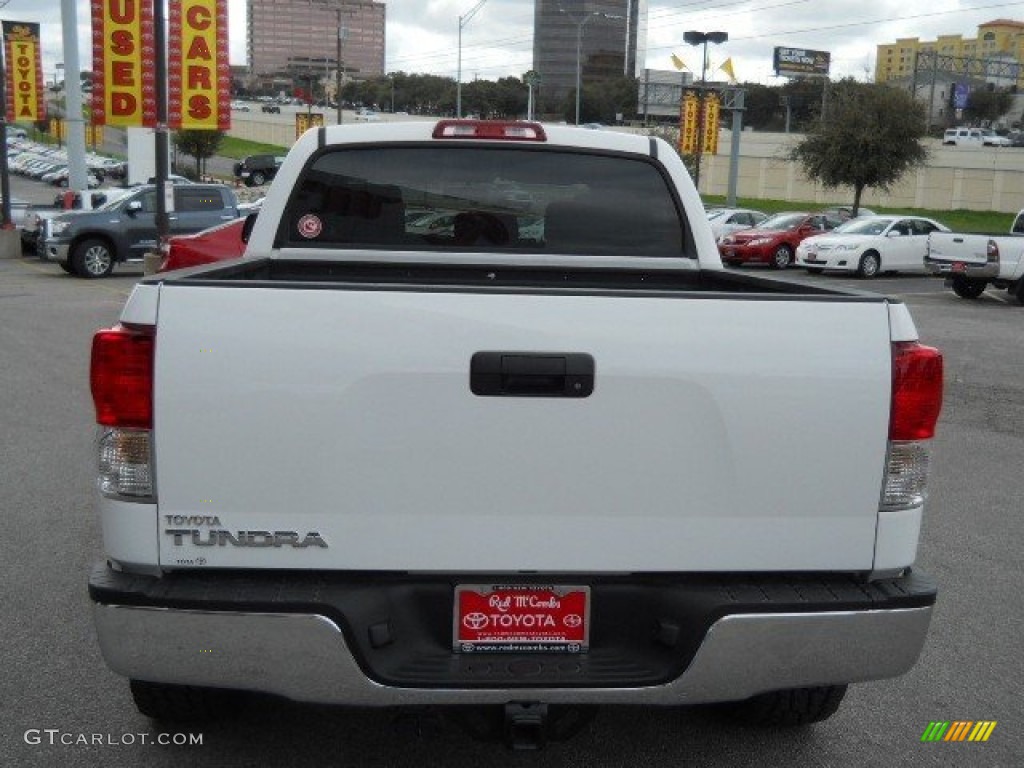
(245, 538)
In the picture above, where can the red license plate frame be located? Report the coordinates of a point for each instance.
(521, 618)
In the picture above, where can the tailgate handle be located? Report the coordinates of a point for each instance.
(531, 374)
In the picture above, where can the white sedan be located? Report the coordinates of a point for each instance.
(869, 245)
(725, 221)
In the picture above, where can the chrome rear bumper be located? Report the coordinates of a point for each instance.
(305, 657)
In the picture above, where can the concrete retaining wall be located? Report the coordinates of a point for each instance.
(986, 179)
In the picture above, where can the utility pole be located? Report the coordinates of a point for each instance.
(164, 191)
(463, 21)
(78, 179)
(342, 32)
(5, 174)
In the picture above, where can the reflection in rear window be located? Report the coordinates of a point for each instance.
(484, 199)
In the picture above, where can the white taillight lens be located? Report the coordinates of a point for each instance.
(906, 475)
(125, 463)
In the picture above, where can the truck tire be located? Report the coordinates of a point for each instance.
(869, 265)
(968, 289)
(182, 703)
(92, 258)
(782, 257)
(795, 706)
(257, 178)
(1019, 293)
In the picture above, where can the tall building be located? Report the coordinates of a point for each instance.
(295, 37)
(612, 37)
(998, 40)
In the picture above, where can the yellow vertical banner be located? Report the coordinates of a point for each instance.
(199, 76)
(24, 77)
(688, 119)
(306, 120)
(712, 109)
(124, 80)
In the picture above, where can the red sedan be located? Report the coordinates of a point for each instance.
(774, 240)
(218, 243)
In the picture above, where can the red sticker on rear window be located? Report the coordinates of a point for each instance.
(310, 226)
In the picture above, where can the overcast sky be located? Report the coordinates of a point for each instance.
(422, 35)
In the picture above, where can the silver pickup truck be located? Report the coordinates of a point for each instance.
(524, 463)
(971, 262)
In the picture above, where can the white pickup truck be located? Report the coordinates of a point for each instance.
(972, 262)
(544, 458)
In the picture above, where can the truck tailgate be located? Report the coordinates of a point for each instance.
(951, 246)
(721, 434)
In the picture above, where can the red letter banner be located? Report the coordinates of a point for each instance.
(123, 50)
(24, 72)
(199, 76)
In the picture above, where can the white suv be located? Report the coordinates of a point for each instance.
(974, 137)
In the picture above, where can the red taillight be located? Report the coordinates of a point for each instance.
(508, 130)
(121, 377)
(992, 252)
(916, 391)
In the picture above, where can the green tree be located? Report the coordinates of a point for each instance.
(603, 100)
(200, 144)
(983, 105)
(761, 107)
(869, 137)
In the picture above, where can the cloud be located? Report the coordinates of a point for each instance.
(422, 36)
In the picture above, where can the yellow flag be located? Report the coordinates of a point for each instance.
(678, 62)
(727, 68)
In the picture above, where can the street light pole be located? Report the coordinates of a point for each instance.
(342, 31)
(579, 60)
(463, 21)
(702, 38)
(580, 24)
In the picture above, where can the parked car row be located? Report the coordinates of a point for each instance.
(724, 221)
(775, 239)
(50, 164)
(819, 241)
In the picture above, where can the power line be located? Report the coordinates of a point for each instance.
(478, 52)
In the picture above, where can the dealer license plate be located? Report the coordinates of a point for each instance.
(521, 618)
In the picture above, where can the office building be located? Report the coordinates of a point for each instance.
(612, 36)
(1000, 41)
(291, 38)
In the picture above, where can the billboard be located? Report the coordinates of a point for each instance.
(22, 53)
(801, 62)
(961, 95)
(199, 77)
(124, 87)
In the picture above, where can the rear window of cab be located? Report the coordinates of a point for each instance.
(485, 198)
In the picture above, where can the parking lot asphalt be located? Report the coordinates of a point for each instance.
(55, 680)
